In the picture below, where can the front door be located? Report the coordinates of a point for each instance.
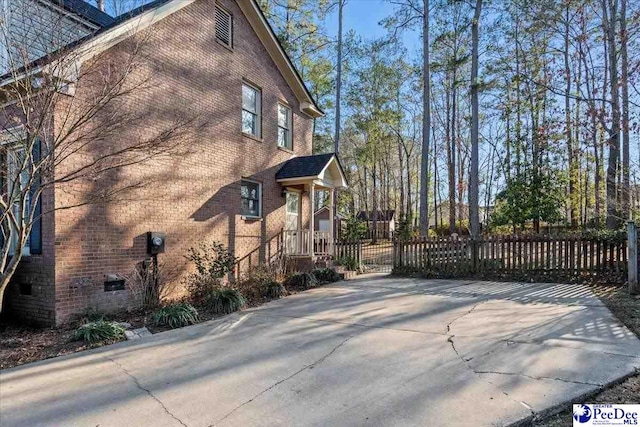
(293, 238)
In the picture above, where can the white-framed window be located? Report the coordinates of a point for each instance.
(251, 110)
(17, 180)
(251, 199)
(285, 138)
(224, 27)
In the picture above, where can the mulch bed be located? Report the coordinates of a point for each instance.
(21, 344)
(627, 309)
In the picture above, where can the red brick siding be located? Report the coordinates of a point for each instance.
(195, 197)
(37, 271)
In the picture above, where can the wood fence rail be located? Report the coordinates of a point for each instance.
(564, 256)
(346, 249)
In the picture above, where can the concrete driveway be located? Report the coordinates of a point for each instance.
(375, 351)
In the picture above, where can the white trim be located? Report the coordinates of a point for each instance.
(257, 112)
(306, 103)
(4, 45)
(113, 36)
(288, 126)
(13, 135)
(260, 199)
(318, 179)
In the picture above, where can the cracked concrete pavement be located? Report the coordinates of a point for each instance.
(372, 351)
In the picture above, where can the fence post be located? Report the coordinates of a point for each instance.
(632, 233)
(395, 253)
(474, 255)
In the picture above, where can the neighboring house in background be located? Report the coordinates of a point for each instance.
(385, 222)
(323, 220)
(249, 175)
(26, 28)
(462, 214)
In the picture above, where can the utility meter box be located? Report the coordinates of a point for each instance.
(155, 242)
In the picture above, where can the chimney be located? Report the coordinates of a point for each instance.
(100, 4)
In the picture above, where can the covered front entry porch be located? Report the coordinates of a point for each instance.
(309, 175)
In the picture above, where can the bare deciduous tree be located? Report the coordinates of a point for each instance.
(69, 121)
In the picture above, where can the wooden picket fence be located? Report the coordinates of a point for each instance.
(531, 256)
(348, 249)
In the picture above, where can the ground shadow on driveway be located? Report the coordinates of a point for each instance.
(373, 351)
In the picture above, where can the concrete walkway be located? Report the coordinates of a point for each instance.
(376, 351)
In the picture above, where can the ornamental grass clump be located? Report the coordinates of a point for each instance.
(301, 281)
(176, 315)
(275, 290)
(99, 331)
(225, 300)
(326, 275)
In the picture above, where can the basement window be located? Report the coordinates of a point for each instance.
(114, 285)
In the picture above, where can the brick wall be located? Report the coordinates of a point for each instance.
(193, 197)
(30, 296)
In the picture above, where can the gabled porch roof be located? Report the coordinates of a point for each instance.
(321, 170)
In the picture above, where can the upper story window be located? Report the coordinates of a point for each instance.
(251, 120)
(251, 199)
(224, 27)
(284, 127)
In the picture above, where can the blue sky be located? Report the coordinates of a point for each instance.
(364, 16)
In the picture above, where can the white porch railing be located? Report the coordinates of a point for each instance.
(296, 242)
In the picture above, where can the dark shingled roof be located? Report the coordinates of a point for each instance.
(86, 11)
(381, 215)
(299, 167)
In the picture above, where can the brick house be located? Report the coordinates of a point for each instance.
(249, 173)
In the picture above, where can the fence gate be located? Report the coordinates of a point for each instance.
(372, 256)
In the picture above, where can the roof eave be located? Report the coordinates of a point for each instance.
(111, 36)
(252, 11)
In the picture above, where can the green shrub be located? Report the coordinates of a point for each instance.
(98, 331)
(89, 315)
(225, 300)
(200, 287)
(176, 315)
(301, 281)
(213, 260)
(349, 263)
(274, 290)
(354, 229)
(326, 275)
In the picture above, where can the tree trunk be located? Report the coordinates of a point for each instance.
(451, 152)
(336, 139)
(609, 19)
(624, 58)
(426, 124)
(573, 170)
(474, 182)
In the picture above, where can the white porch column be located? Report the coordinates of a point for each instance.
(332, 235)
(312, 201)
